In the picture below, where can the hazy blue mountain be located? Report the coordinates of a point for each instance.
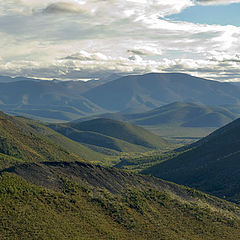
(176, 114)
(155, 89)
(7, 79)
(47, 99)
(69, 100)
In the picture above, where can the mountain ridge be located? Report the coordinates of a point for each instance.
(155, 89)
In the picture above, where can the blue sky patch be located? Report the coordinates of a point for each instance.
(220, 14)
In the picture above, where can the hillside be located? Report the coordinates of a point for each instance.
(155, 89)
(176, 114)
(25, 140)
(185, 115)
(19, 143)
(211, 164)
(111, 134)
(45, 132)
(81, 201)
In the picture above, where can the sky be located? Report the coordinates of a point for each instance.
(69, 39)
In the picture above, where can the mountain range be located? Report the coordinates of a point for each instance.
(156, 89)
(70, 100)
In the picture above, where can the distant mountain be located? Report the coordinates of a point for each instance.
(76, 200)
(54, 100)
(235, 83)
(176, 114)
(155, 89)
(6, 79)
(111, 134)
(211, 164)
(69, 100)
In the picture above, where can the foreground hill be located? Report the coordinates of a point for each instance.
(211, 165)
(81, 201)
(155, 89)
(177, 114)
(26, 140)
(20, 142)
(111, 134)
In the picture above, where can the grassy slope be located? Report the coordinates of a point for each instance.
(47, 114)
(19, 142)
(118, 130)
(73, 146)
(96, 139)
(81, 201)
(211, 164)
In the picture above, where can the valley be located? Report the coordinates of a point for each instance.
(109, 165)
(119, 120)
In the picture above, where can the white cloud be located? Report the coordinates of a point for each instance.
(59, 37)
(63, 7)
(216, 2)
(86, 56)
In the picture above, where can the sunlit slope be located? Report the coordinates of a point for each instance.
(82, 201)
(117, 135)
(19, 142)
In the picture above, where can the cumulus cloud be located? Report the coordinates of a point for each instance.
(86, 56)
(63, 7)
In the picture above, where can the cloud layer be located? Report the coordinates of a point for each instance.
(216, 2)
(51, 38)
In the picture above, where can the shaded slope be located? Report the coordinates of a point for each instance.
(212, 164)
(76, 196)
(111, 134)
(155, 89)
